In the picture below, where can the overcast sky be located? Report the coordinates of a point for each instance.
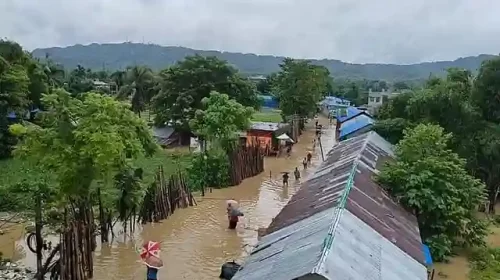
(388, 31)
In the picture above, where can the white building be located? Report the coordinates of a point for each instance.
(376, 99)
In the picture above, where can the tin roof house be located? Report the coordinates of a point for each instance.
(341, 225)
(354, 126)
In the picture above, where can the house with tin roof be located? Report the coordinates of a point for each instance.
(352, 127)
(341, 225)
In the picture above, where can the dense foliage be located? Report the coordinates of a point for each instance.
(81, 141)
(209, 169)
(184, 86)
(120, 56)
(221, 120)
(300, 86)
(430, 179)
(485, 264)
(464, 106)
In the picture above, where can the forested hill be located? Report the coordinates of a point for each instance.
(119, 56)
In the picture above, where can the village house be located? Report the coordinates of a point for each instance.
(354, 126)
(265, 134)
(341, 225)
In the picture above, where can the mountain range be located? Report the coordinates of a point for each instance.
(118, 56)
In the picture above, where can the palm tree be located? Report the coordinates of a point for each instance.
(138, 85)
(118, 77)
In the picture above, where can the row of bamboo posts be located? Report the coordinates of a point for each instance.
(164, 196)
(77, 246)
(245, 162)
(77, 236)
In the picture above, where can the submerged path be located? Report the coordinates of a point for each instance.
(196, 241)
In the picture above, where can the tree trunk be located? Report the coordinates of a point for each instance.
(492, 197)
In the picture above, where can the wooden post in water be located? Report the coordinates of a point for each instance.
(321, 148)
(38, 237)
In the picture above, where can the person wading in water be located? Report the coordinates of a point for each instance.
(285, 179)
(304, 163)
(296, 173)
(309, 157)
(233, 215)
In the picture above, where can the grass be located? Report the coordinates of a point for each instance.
(14, 170)
(267, 116)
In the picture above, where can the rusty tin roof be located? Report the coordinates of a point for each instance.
(356, 159)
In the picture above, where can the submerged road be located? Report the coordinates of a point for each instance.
(195, 241)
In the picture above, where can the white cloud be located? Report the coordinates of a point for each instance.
(390, 31)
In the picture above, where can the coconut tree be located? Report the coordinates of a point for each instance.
(139, 86)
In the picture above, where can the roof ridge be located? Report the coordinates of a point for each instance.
(328, 241)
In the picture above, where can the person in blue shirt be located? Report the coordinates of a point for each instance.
(153, 264)
(152, 273)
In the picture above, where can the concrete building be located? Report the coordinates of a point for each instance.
(376, 99)
(341, 225)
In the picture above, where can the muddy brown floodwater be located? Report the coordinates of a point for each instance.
(195, 241)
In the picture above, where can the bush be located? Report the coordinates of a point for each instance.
(209, 169)
(485, 264)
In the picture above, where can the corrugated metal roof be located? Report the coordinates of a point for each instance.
(324, 188)
(358, 252)
(333, 100)
(354, 124)
(163, 132)
(351, 112)
(267, 126)
(162, 135)
(366, 199)
(289, 253)
(344, 222)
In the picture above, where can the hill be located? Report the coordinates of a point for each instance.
(119, 56)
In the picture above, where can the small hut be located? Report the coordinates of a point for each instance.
(265, 135)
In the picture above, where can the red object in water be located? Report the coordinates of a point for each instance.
(150, 248)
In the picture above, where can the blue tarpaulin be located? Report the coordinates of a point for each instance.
(354, 124)
(427, 255)
(351, 113)
(269, 101)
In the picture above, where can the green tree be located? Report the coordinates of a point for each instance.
(221, 120)
(485, 157)
(79, 81)
(300, 86)
(430, 179)
(400, 86)
(118, 77)
(140, 86)
(184, 85)
(266, 86)
(14, 90)
(84, 141)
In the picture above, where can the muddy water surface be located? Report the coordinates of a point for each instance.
(196, 241)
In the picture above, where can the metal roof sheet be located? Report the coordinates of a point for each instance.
(354, 124)
(267, 126)
(341, 224)
(289, 253)
(362, 155)
(351, 112)
(163, 132)
(359, 252)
